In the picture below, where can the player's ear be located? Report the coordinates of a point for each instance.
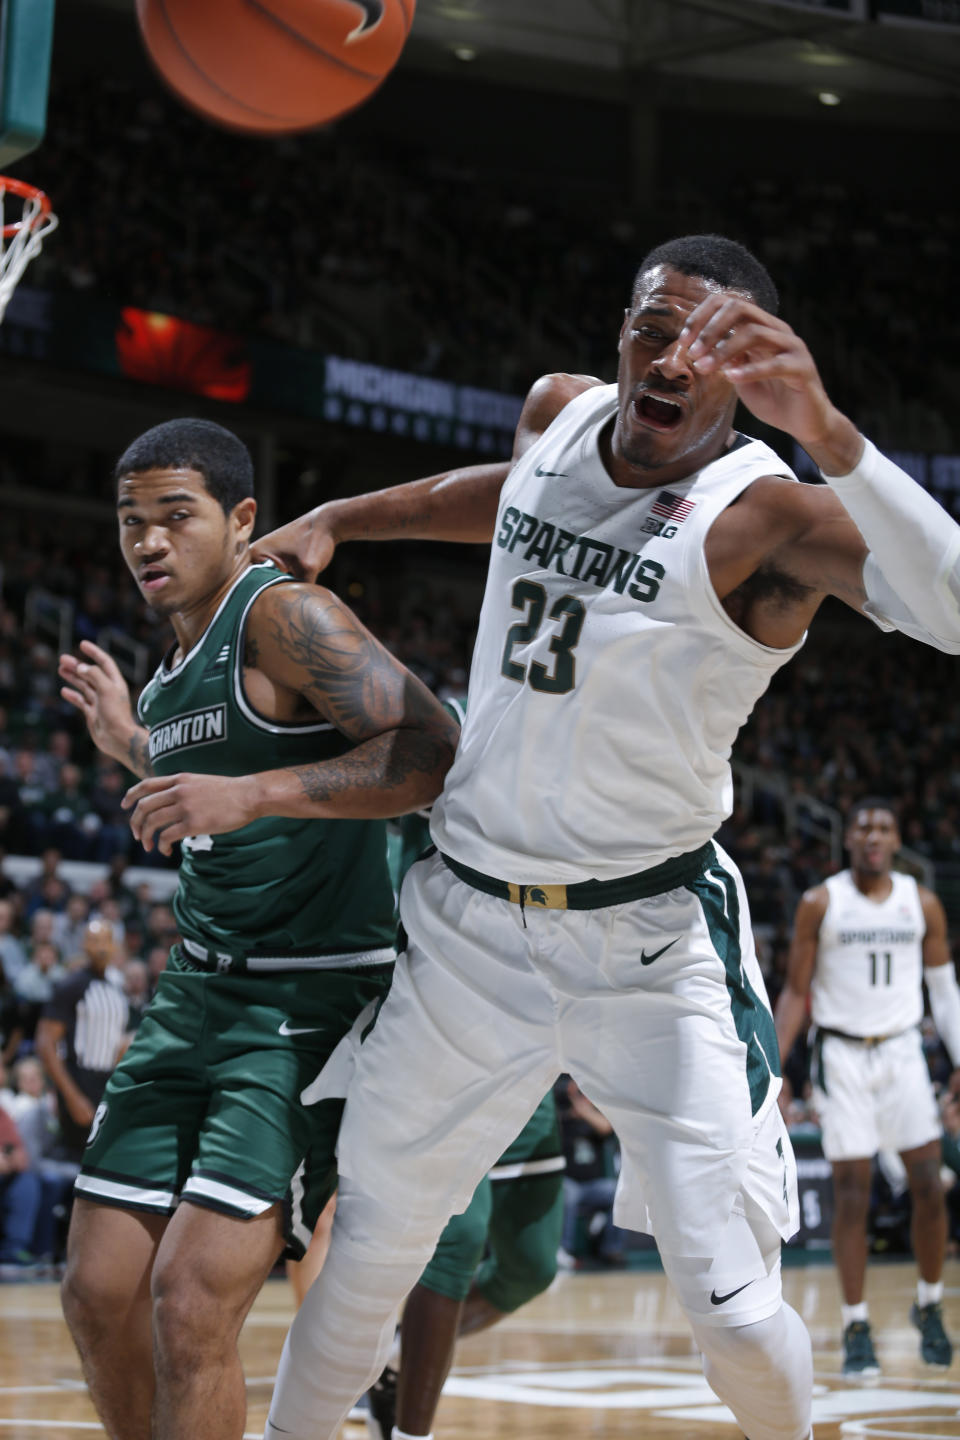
(242, 518)
(623, 329)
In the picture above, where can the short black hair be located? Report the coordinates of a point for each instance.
(215, 453)
(871, 802)
(714, 257)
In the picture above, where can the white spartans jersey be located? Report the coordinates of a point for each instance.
(869, 972)
(608, 683)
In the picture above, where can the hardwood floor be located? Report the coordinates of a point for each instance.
(608, 1356)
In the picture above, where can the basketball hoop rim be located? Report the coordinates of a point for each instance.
(26, 193)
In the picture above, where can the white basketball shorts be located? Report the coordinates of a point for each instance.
(873, 1097)
(656, 1007)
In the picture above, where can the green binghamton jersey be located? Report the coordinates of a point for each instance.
(276, 887)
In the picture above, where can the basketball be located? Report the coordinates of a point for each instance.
(277, 66)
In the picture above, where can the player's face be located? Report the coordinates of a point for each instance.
(669, 414)
(179, 545)
(872, 840)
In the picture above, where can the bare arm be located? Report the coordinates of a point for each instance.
(307, 641)
(456, 505)
(49, 1034)
(95, 686)
(791, 1008)
(936, 943)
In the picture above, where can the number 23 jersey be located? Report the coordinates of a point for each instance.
(869, 970)
(608, 683)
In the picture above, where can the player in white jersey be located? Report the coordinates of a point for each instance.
(863, 944)
(650, 569)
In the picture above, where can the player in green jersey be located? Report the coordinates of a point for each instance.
(516, 1215)
(274, 737)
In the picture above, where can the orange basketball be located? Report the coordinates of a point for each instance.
(269, 66)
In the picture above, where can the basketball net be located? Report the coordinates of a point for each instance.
(25, 221)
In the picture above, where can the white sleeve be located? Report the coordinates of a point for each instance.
(945, 1007)
(912, 574)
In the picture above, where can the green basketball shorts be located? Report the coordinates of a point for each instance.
(205, 1106)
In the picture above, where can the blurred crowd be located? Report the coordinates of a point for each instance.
(364, 247)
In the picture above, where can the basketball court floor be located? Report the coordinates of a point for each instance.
(600, 1355)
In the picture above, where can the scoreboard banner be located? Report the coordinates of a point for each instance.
(842, 9)
(943, 13)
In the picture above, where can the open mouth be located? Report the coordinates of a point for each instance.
(152, 578)
(658, 412)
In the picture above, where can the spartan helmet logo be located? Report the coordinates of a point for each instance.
(372, 15)
(536, 896)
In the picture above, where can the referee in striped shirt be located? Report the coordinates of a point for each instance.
(81, 1035)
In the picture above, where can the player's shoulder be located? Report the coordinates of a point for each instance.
(545, 399)
(293, 597)
(815, 900)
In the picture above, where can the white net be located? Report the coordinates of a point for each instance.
(25, 221)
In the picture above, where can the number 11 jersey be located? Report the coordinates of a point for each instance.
(869, 971)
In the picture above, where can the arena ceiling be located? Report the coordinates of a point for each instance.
(732, 42)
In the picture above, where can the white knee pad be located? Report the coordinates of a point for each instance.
(763, 1372)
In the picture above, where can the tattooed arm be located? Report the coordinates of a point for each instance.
(308, 644)
(96, 687)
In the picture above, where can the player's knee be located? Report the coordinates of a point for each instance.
(925, 1188)
(510, 1287)
(763, 1371)
(95, 1296)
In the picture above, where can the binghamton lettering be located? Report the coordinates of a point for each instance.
(184, 732)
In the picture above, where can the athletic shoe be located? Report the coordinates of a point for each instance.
(859, 1357)
(935, 1347)
(382, 1400)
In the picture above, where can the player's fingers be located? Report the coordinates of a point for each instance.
(153, 785)
(102, 659)
(774, 367)
(74, 697)
(743, 341)
(722, 316)
(155, 812)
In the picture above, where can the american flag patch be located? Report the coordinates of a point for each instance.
(672, 507)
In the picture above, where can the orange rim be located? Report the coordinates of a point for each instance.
(26, 193)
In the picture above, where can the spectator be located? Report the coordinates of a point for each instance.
(35, 986)
(80, 1035)
(13, 957)
(70, 927)
(588, 1185)
(136, 987)
(34, 1108)
(20, 1193)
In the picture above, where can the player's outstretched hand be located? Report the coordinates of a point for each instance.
(770, 366)
(167, 808)
(303, 548)
(94, 684)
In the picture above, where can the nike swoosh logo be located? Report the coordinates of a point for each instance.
(310, 1030)
(716, 1299)
(552, 474)
(646, 959)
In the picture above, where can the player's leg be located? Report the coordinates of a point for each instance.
(302, 1273)
(431, 1318)
(107, 1307)
(844, 1075)
(748, 1336)
(461, 1054)
(679, 1052)
(851, 1207)
(141, 1141)
(910, 1121)
(525, 1230)
(207, 1273)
